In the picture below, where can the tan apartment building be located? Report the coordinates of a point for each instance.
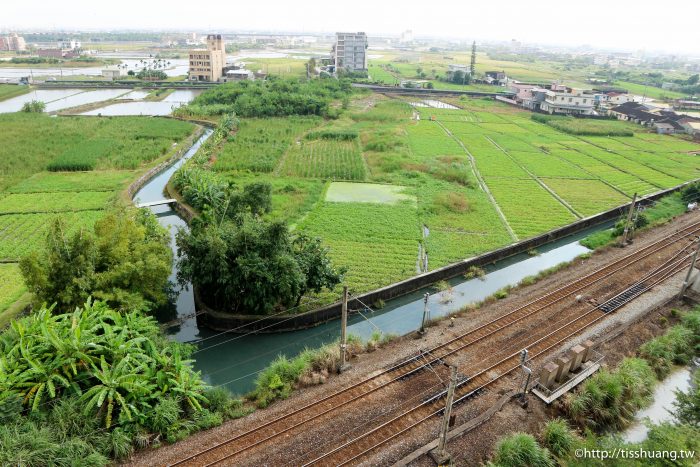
(208, 64)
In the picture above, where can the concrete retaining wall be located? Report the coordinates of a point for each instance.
(145, 178)
(242, 323)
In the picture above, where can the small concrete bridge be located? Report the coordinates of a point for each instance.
(156, 203)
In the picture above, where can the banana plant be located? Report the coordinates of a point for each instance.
(118, 384)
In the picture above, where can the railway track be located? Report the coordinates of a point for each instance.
(226, 451)
(354, 450)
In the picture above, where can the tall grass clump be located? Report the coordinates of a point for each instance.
(675, 347)
(609, 399)
(521, 450)
(558, 437)
(585, 127)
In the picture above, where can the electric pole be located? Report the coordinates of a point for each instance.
(527, 373)
(441, 456)
(343, 331)
(426, 314)
(686, 282)
(626, 232)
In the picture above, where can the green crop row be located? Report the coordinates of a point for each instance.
(325, 159)
(259, 144)
(30, 142)
(529, 208)
(587, 197)
(54, 202)
(111, 180)
(377, 242)
(11, 285)
(545, 165)
(428, 139)
(22, 233)
(445, 247)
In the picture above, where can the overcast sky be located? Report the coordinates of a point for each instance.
(630, 24)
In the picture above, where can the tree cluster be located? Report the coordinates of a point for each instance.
(273, 97)
(252, 266)
(125, 261)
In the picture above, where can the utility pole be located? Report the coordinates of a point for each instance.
(343, 331)
(686, 282)
(527, 373)
(426, 314)
(440, 455)
(625, 234)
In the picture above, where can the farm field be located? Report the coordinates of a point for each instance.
(259, 143)
(71, 143)
(33, 191)
(479, 177)
(377, 242)
(11, 285)
(327, 159)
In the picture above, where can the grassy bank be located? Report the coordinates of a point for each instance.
(8, 91)
(660, 213)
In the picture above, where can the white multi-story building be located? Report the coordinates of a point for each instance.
(69, 44)
(350, 51)
(572, 101)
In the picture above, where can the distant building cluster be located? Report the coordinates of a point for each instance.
(564, 100)
(65, 48)
(13, 42)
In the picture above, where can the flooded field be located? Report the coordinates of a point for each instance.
(164, 107)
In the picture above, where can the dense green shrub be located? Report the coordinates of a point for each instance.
(337, 135)
(33, 106)
(126, 262)
(269, 98)
(253, 266)
(558, 437)
(687, 404)
(95, 383)
(521, 450)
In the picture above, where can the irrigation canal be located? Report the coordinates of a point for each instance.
(233, 360)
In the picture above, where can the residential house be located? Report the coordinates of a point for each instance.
(634, 112)
(569, 102)
(496, 77)
(453, 68)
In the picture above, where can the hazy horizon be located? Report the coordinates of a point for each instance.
(624, 24)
